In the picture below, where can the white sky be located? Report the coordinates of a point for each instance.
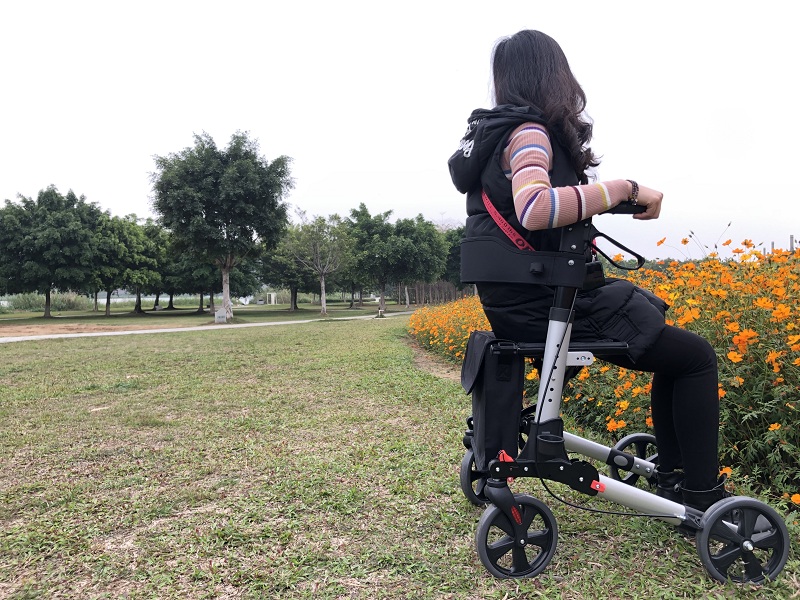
(696, 99)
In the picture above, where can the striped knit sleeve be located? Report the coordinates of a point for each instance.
(527, 160)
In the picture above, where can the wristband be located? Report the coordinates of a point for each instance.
(634, 197)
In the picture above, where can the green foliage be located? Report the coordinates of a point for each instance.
(222, 205)
(59, 302)
(47, 243)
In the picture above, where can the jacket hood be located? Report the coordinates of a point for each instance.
(486, 129)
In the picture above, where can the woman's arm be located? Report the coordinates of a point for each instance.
(527, 160)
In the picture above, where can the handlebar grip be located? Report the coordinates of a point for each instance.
(627, 208)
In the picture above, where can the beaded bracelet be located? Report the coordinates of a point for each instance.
(634, 197)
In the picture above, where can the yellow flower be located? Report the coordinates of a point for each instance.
(775, 427)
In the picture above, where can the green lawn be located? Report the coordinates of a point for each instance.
(296, 461)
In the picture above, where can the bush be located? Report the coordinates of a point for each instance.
(59, 302)
(743, 307)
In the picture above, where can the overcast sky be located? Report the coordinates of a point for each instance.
(369, 99)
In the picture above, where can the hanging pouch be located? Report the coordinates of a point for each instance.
(493, 372)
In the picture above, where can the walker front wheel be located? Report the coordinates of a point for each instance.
(743, 540)
(502, 555)
(472, 480)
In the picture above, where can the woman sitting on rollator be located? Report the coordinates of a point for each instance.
(524, 163)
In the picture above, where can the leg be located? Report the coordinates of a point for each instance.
(685, 404)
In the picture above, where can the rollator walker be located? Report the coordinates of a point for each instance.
(738, 539)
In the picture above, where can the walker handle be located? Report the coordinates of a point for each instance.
(626, 208)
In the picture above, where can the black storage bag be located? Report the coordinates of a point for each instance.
(495, 381)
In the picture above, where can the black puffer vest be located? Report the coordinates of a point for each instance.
(618, 311)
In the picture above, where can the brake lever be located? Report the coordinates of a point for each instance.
(640, 260)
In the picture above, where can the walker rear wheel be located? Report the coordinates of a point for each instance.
(502, 555)
(641, 445)
(472, 480)
(743, 540)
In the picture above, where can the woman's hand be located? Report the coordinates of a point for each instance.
(651, 199)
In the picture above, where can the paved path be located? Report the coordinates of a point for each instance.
(219, 327)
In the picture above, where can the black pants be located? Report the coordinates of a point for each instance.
(685, 404)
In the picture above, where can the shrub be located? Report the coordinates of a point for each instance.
(59, 302)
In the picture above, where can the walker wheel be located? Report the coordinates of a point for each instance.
(472, 480)
(641, 445)
(743, 540)
(499, 552)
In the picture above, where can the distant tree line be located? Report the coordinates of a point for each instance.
(222, 227)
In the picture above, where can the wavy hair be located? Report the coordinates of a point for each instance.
(530, 69)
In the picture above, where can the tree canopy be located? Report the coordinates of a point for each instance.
(223, 204)
(47, 244)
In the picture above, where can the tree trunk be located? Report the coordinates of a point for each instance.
(408, 304)
(202, 308)
(322, 298)
(382, 301)
(226, 290)
(47, 314)
(96, 293)
(108, 302)
(293, 298)
(138, 306)
(211, 306)
(155, 304)
(171, 305)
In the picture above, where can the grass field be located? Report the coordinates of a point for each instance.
(297, 461)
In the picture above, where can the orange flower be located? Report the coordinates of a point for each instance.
(775, 427)
(726, 243)
(735, 357)
(781, 312)
(734, 326)
(685, 241)
(796, 498)
(661, 241)
(763, 303)
(726, 471)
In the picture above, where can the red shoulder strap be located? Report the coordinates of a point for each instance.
(505, 227)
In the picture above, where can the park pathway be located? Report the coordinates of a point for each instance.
(218, 327)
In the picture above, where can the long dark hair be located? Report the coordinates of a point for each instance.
(530, 69)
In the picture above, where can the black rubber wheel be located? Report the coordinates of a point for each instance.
(641, 445)
(500, 553)
(743, 540)
(472, 479)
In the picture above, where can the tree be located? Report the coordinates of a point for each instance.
(140, 264)
(373, 253)
(322, 246)
(419, 251)
(47, 244)
(452, 271)
(222, 204)
(282, 269)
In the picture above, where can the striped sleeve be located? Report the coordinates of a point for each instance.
(527, 161)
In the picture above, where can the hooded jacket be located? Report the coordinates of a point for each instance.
(476, 165)
(618, 311)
